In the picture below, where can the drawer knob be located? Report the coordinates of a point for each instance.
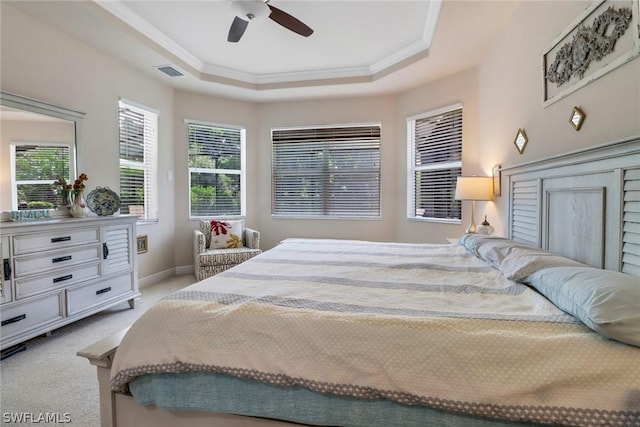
(60, 239)
(14, 319)
(61, 259)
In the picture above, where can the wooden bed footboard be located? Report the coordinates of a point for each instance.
(120, 410)
(100, 354)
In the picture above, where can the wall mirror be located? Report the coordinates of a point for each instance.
(38, 141)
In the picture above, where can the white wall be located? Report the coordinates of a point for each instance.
(191, 106)
(337, 111)
(501, 95)
(462, 88)
(259, 119)
(43, 63)
(510, 96)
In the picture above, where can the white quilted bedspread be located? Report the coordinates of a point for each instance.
(416, 324)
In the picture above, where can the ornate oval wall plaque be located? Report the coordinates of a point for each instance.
(602, 38)
(589, 44)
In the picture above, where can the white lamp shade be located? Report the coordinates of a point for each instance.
(474, 188)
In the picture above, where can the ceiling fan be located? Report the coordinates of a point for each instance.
(247, 11)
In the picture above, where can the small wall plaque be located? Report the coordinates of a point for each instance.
(521, 140)
(576, 119)
(142, 244)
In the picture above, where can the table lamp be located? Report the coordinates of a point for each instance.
(474, 188)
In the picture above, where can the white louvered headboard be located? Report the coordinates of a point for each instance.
(584, 205)
(631, 222)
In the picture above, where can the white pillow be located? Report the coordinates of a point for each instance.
(521, 263)
(226, 234)
(606, 301)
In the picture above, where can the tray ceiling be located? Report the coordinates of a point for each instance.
(358, 47)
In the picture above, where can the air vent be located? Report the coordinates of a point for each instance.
(169, 71)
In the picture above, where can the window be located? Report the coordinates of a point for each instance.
(435, 162)
(216, 170)
(36, 167)
(331, 171)
(138, 161)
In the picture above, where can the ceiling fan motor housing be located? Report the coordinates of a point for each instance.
(246, 11)
(250, 10)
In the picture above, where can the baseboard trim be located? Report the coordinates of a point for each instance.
(158, 277)
(185, 269)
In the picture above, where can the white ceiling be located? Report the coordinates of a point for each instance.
(358, 47)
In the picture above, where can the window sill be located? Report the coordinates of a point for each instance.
(329, 217)
(436, 220)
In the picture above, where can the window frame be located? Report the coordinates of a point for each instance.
(301, 215)
(15, 182)
(149, 166)
(242, 171)
(412, 168)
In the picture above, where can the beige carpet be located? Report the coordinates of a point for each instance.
(49, 378)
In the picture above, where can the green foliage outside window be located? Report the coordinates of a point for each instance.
(131, 188)
(36, 168)
(215, 167)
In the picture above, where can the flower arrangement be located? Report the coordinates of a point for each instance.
(62, 183)
(78, 185)
(68, 190)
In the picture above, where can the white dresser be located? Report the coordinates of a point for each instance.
(55, 272)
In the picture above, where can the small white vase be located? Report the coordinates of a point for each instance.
(79, 208)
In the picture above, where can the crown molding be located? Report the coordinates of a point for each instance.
(216, 73)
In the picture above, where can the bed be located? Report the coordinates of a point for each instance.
(542, 327)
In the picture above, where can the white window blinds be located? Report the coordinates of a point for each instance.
(36, 167)
(326, 171)
(435, 162)
(138, 161)
(216, 170)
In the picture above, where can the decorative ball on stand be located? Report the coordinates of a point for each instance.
(485, 228)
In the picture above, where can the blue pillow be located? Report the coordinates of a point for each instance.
(606, 301)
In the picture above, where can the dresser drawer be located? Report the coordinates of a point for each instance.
(56, 279)
(85, 297)
(27, 243)
(48, 261)
(22, 317)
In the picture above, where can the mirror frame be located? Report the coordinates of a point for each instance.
(40, 107)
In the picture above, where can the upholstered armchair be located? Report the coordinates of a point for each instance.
(238, 245)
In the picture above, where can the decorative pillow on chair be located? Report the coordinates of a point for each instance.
(226, 234)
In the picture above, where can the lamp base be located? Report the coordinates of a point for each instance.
(471, 229)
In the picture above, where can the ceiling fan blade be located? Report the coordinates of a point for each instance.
(238, 27)
(289, 22)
